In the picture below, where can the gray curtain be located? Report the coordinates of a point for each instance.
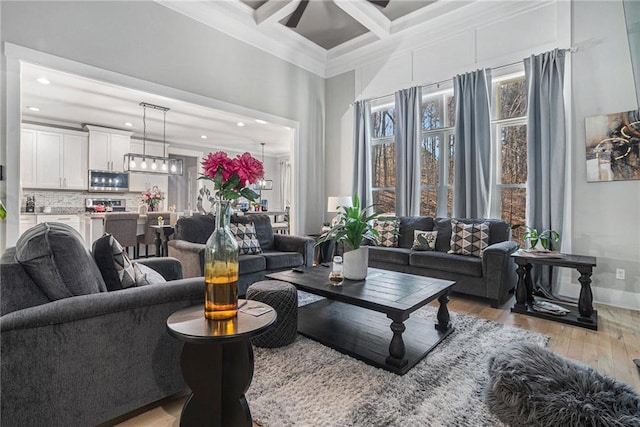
(546, 146)
(362, 128)
(408, 151)
(472, 156)
(285, 183)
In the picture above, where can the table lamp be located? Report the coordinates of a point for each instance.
(335, 204)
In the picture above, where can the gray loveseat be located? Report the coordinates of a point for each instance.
(279, 251)
(491, 277)
(89, 356)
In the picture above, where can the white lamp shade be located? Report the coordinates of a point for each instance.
(333, 203)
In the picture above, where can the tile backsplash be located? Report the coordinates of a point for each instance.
(67, 202)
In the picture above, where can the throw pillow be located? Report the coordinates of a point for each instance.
(247, 239)
(424, 240)
(113, 262)
(388, 230)
(146, 275)
(54, 256)
(469, 239)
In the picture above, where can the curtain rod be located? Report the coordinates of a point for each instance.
(437, 84)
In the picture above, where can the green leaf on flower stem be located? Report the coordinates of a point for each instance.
(248, 194)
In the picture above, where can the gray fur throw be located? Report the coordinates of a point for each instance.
(532, 386)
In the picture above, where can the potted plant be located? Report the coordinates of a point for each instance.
(547, 238)
(353, 228)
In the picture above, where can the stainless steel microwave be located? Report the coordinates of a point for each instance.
(108, 181)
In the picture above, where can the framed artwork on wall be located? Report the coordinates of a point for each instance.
(613, 146)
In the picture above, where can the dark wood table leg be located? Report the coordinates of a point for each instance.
(522, 293)
(158, 243)
(397, 349)
(218, 376)
(585, 301)
(443, 314)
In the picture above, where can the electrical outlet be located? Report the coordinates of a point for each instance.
(620, 273)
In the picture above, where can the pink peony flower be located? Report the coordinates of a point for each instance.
(218, 161)
(249, 168)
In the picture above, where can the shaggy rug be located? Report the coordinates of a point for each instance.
(308, 384)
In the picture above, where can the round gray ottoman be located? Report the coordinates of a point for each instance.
(283, 297)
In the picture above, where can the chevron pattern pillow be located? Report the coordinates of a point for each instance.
(388, 230)
(469, 239)
(247, 239)
(114, 263)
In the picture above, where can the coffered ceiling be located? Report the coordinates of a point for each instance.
(329, 34)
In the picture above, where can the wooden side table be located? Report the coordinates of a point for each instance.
(585, 316)
(217, 364)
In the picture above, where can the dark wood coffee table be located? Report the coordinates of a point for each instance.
(353, 317)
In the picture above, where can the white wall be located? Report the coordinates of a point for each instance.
(150, 42)
(603, 216)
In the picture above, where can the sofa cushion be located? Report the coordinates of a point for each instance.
(469, 239)
(279, 260)
(424, 240)
(398, 256)
(262, 224)
(409, 224)
(55, 258)
(245, 235)
(251, 263)
(459, 264)
(388, 230)
(17, 290)
(195, 229)
(113, 262)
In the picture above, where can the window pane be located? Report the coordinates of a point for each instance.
(452, 139)
(432, 114)
(430, 160)
(450, 203)
(511, 98)
(384, 165)
(514, 154)
(514, 201)
(383, 123)
(451, 111)
(429, 202)
(384, 201)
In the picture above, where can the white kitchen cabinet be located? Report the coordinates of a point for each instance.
(71, 220)
(56, 157)
(141, 181)
(107, 148)
(26, 222)
(28, 158)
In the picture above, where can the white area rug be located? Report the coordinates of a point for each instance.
(308, 384)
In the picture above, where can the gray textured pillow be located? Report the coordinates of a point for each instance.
(146, 275)
(55, 258)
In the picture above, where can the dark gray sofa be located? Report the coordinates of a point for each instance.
(86, 359)
(490, 277)
(280, 251)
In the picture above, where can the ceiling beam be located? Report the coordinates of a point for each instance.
(274, 10)
(368, 15)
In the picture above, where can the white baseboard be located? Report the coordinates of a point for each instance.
(616, 298)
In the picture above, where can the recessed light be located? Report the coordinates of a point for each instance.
(128, 124)
(240, 124)
(203, 136)
(262, 122)
(33, 108)
(43, 80)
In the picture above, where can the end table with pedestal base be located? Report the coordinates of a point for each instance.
(585, 316)
(217, 364)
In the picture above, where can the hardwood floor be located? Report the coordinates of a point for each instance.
(610, 350)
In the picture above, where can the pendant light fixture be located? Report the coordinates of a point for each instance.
(168, 165)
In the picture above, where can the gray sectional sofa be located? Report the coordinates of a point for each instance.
(490, 277)
(279, 251)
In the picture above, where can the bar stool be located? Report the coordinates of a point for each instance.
(149, 236)
(123, 227)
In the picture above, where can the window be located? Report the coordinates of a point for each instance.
(510, 132)
(436, 154)
(384, 158)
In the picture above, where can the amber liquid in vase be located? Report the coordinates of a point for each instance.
(221, 295)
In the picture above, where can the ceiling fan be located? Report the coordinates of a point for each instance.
(293, 20)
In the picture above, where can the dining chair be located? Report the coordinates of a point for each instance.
(149, 235)
(123, 227)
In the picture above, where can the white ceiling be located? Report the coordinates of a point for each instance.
(74, 101)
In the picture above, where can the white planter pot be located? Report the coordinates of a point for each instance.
(356, 263)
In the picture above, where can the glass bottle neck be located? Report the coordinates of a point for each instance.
(223, 213)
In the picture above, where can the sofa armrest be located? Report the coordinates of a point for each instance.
(170, 268)
(300, 244)
(498, 268)
(190, 255)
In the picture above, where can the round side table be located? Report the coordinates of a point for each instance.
(217, 364)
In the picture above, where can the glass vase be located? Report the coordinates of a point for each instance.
(221, 267)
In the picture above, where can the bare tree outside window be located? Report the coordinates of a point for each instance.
(384, 160)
